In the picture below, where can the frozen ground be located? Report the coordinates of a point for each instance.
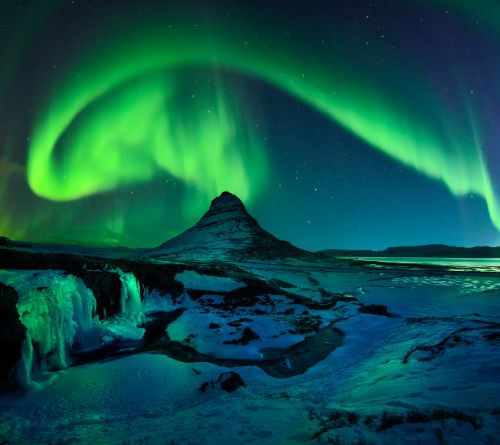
(426, 370)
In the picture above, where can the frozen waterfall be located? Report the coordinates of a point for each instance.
(130, 301)
(126, 324)
(57, 310)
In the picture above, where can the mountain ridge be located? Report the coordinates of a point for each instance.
(424, 250)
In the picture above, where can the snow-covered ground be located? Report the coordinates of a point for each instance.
(428, 373)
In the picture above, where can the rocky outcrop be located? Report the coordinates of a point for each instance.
(12, 336)
(375, 309)
(106, 287)
(157, 276)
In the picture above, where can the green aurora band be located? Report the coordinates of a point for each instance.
(128, 133)
(116, 122)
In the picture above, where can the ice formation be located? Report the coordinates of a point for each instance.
(125, 325)
(57, 310)
(155, 301)
(130, 302)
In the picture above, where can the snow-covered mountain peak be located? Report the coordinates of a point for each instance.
(226, 200)
(225, 208)
(227, 232)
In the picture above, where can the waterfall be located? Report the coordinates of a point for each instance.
(130, 301)
(126, 324)
(57, 310)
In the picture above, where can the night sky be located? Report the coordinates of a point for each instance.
(341, 124)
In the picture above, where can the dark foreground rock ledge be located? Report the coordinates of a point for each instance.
(12, 335)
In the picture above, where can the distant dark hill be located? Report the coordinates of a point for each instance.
(64, 248)
(429, 250)
(228, 232)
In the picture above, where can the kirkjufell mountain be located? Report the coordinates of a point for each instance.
(228, 232)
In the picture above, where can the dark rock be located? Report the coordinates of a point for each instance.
(493, 337)
(230, 381)
(106, 287)
(305, 324)
(275, 282)
(247, 336)
(266, 300)
(157, 276)
(12, 336)
(327, 300)
(214, 325)
(375, 309)
(313, 281)
(227, 381)
(188, 339)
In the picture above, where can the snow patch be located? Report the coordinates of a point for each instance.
(195, 281)
(194, 327)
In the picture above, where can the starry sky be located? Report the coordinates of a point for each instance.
(346, 124)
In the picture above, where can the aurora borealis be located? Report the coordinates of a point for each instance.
(352, 126)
